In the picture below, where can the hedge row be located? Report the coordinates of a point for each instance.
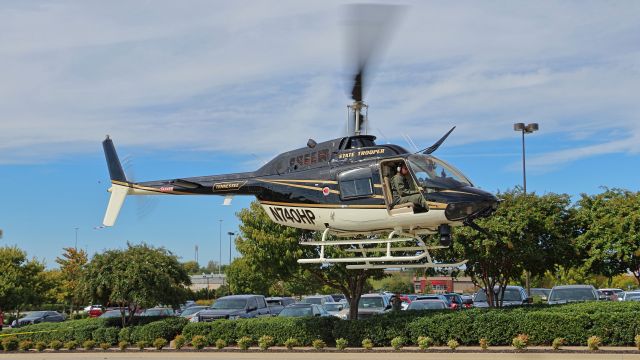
(100, 331)
(614, 323)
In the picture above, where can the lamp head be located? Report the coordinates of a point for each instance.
(518, 126)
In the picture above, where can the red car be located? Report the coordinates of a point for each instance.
(95, 311)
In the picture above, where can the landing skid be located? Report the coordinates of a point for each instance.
(422, 259)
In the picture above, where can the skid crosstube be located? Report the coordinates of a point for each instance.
(421, 260)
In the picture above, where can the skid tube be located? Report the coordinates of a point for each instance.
(414, 261)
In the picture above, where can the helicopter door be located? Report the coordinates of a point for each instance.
(388, 170)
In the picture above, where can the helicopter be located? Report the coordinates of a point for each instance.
(341, 187)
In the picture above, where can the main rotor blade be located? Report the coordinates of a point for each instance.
(371, 24)
(437, 144)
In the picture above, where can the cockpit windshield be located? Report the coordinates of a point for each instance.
(434, 174)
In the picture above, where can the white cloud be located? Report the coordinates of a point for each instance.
(256, 77)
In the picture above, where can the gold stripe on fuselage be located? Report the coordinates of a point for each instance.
(278, 182)
(335, 206)
(152, 189)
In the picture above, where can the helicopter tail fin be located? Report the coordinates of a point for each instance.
(119, 184)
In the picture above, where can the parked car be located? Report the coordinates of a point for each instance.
(456, 302)
(192, 311)
(36, 317)
(276, 304)
(235, 307)
(571, 293)
(339, 297)
(158, 311)
(113, 313)
(428, 305)
(513, 296)
(338, 309)
(541, 292)
(412, 297)
(302, 310)
(612, 294)
(434, 297)
(317, 299)
(372, 304)
(95, 311)
(631, 296)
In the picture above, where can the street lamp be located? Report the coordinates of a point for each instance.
(75, 247)
(230, 235)
(528, 129)
(525, 129)
(220, 250)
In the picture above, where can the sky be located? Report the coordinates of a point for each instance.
(206, 87)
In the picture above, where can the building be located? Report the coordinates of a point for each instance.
(204, 281)
(443, 284)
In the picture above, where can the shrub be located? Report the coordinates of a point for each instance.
(484, 344)
(167, 329)
(219, 329)
(520, 342)
(25, 345)
(244, 342)
(89, 344)
(341, 344)
(107, 335)
(221, 344)
(56, 345)
(397, 342)
(424, 342)
(71, 345)
(453, 344)
(318, 344)
(265, 342)
(290, 343)
(124, 335)
(557, 343)
(179, 341)
(199, 342)
(159, 343)
(637, 341)
(123, 345)
(10, 343)
(105, 346)
(141, 344)
(40, 346)
(594, 342)
(367, 344)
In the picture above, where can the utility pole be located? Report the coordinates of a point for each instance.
(220, 250)
(75, 247)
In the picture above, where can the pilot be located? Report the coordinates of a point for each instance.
(403, 192)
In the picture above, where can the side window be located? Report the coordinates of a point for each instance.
(355, 183)
(261, 303)
(252, 303)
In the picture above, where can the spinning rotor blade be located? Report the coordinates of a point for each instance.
(437, 144)
(371, 26)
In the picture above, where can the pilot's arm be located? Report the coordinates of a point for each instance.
(398, 183)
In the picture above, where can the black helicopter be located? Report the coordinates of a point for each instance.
(340, 187)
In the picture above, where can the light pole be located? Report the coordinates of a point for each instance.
(220, 250)
(75, 247)
(525, 129)
(230, 235)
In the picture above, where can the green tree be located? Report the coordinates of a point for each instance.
(192, 267)
(72, 266)
(273, 250)
(609, 225)
(527, 232)
(397, 283)
(138, 277)
(21, 280)
(245, 279)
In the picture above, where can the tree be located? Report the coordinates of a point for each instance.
(527, 232)
(609, 225)
(397, 283)
(244, 279)
(138, 277)
(273, 250)
(192, 267)
(72, 266)
(21, 280)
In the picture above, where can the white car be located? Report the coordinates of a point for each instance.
(630, 296)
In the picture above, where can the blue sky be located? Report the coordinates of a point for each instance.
(215, 87)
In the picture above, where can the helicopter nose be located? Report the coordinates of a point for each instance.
(476, 204)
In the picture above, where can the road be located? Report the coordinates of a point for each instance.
(314, 356)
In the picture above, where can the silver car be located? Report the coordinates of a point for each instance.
(572, 293)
